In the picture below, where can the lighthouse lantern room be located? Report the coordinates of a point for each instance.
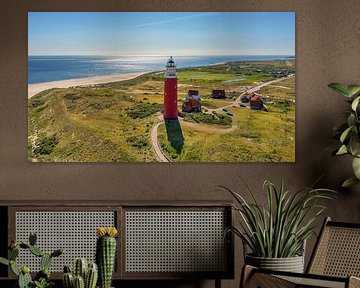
(170, 91)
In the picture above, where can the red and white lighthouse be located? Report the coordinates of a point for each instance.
(170, 91)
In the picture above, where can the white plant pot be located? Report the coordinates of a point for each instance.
(291, 264)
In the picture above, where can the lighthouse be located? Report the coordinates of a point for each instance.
(170, 91)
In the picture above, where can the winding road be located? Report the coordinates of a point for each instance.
(154, 132)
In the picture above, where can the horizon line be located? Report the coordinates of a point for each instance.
(157, 55)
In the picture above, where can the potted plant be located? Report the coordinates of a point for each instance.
(42, 278)
(349, 132)
(84, 274)
(276, 233)
(106, 254)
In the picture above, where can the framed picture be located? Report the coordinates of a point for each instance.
(161, 86)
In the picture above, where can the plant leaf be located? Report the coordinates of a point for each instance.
(345, 134)
(279, 228)
(340, 88)
(355, 103)
(351, 120)
(349, 182)
(4, 261)
(353, 89)
(356, 167)
(354, 145)
(342, 150)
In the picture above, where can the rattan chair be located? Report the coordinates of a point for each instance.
(335, 262)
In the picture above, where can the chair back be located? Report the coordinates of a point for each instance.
(337, 251)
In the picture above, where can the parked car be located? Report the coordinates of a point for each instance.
(229, 113)
(225, 110)
(214, 112)
(242, 105)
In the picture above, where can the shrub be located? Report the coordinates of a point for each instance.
(36, 102)
(137, 141)
(219, 119)
(46, 145)
(143, 110)
(71, 96)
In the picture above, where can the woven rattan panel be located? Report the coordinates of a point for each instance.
(338, 253)
(311, 282)
(75, 231)
(175, 241)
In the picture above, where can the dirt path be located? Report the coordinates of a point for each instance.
(155, 143)
(251, 90)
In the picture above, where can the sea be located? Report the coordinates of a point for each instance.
(52, 68)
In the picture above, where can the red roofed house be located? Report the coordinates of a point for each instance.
(256, 103)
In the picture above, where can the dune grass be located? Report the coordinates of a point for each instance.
(112, 122)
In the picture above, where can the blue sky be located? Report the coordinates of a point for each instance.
(161, 33)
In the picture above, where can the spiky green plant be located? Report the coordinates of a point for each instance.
(279, 229)
(349, 132)
(91, 276)
(42, 278)
(79, 282)
(80, 267)
(106, 254)
(84, 273)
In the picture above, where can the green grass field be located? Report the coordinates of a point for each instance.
(112, 122)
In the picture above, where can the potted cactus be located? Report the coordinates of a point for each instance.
(42, 278)
(106, 254)
(84, 275)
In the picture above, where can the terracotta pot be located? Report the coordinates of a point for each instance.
(291, 264)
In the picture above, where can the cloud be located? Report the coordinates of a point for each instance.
(197, 15)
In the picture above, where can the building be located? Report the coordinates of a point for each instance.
(192, 102)
(245, 99)
(218, 94)
(256, 103)
(170, 91)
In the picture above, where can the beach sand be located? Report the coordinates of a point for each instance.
(34, 89)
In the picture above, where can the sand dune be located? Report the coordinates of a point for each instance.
(34, 89)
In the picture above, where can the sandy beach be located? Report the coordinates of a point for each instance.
(34, 89)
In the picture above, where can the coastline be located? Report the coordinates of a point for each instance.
(36, 88)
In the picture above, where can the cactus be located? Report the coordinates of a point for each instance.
(57, 253)
(4, 261)
(43, 274)
(24, 245)
(91, 276)
(45, 261)
(79, 282)
(68, 280)
(36, 251)
(105, 254)
(13, 253)
(90, 272)
(24, 278)
(80, 267)
(32, 239)
(14, 268)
